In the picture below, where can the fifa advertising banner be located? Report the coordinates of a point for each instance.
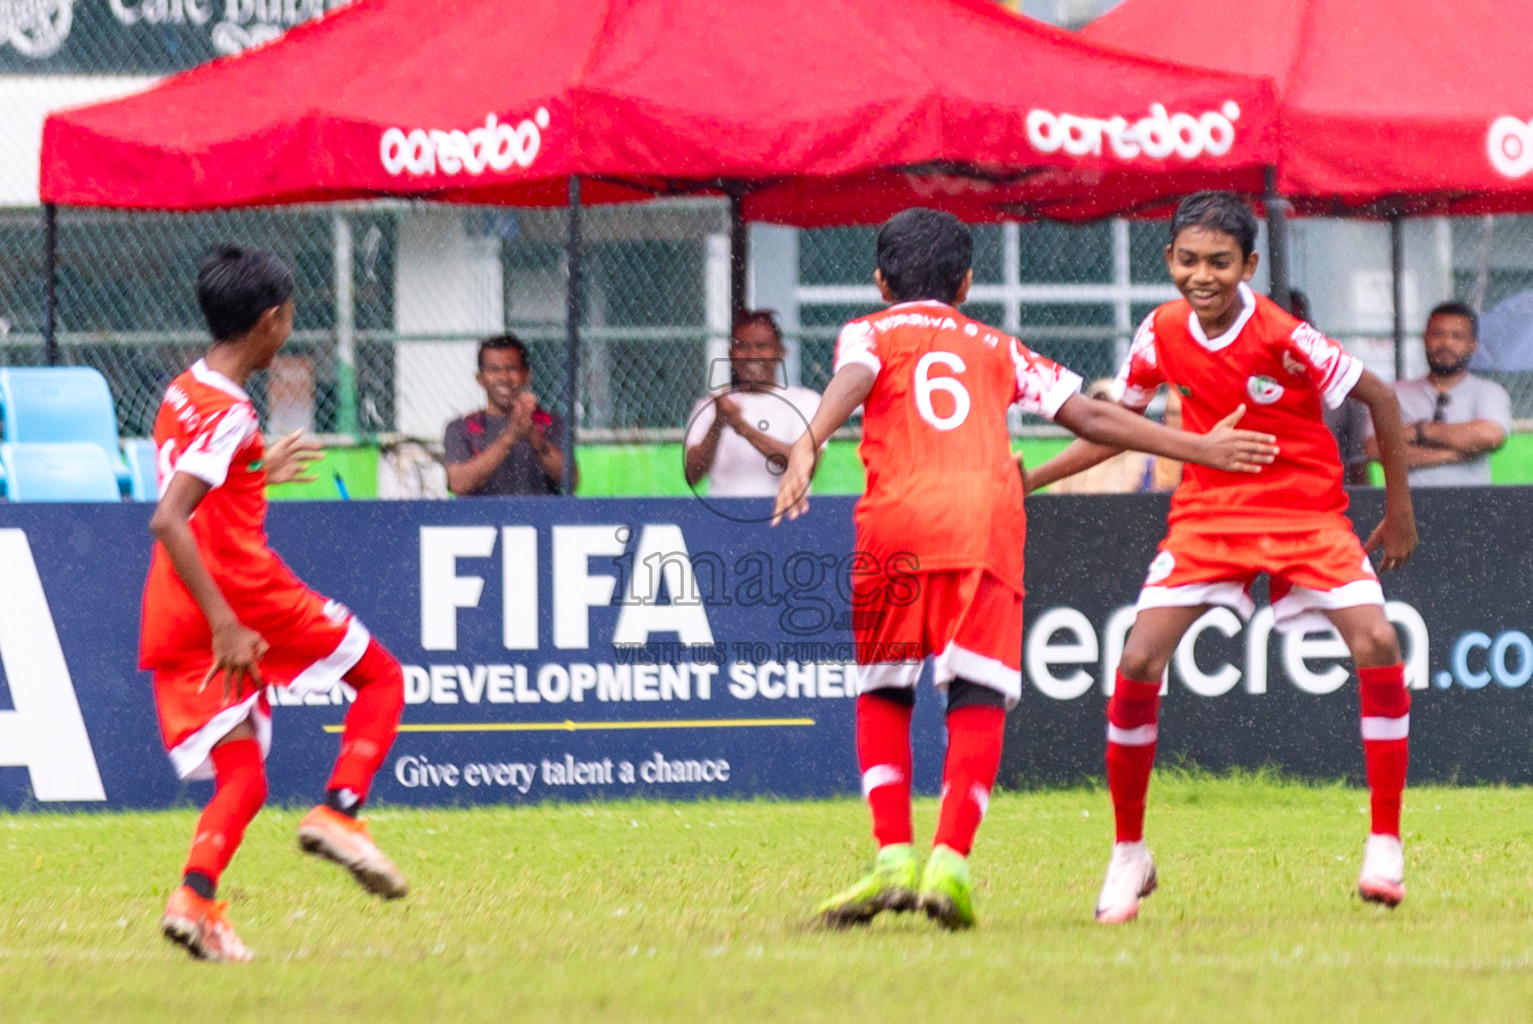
(575, 649)
(552, 649)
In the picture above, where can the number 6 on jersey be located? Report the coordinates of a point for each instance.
(950, 386)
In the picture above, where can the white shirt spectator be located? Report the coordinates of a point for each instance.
(739, 470)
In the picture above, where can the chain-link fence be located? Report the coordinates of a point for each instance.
(392, 299)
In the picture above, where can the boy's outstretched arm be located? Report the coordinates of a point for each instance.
(1397, 533)
(237, 650)
(848, 389)
(1078, 456)
(1114, 428)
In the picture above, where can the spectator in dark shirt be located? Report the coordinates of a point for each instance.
(512, 445)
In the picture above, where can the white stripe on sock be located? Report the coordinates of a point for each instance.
(981, 797)
(1381, 728)
(881, 775)
(1143, 736)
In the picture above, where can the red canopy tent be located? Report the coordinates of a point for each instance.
(949, 102)
(805, 112)
(1386, 108)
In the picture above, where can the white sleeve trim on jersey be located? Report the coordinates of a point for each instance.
(1042, 384)
(1343, 380)
(1341, 370)
(1065, 384)
(1135, 398)
(210, 454)
(855, 346)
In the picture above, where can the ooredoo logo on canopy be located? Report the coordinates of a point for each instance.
(1158, 136)
(494, 146)
(1509, 143)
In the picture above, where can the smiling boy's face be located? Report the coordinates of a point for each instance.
(1207, 267)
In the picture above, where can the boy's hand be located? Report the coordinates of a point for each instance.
(1238, 451)
(1027, 481)
(1397, 535)
(287, 461)
(794, 485)
(237, 654)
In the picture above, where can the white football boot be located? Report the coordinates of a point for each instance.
(1383, 876)
(1130, 878)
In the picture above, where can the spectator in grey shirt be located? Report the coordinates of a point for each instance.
(512, 445)
(1453, 419)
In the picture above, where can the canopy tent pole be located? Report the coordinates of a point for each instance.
(739, 253)
(573, 301)
(50, 283)
(1277, 239)
(1397, 276)
(346, 420)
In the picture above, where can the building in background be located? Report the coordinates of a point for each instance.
(409, 288)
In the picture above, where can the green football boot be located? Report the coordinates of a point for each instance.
(891, 885)
(946, 895)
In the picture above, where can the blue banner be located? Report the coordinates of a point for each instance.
(573, 649)
(552, 649)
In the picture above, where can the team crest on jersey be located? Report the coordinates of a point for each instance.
(1160, 568)
(1263, 390)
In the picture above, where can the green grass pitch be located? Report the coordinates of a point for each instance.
(680, 912)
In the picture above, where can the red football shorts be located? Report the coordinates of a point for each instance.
(311, 658)
(1312, 570)
(968, 619)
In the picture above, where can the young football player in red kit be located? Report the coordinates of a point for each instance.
(224, 618)
(940, 533)
(1222, 343)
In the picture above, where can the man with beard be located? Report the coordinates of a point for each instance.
(1453, 419)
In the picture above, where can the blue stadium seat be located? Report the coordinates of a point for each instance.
(61, 403)
(145, 483)
(74, 471)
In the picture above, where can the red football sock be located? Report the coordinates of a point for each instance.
(974, 734)
(240, 792)
(883, 754)
(1133, 716)
(1386, 741)
(371, 723)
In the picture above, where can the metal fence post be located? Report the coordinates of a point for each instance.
(50, 283)
(346, 420)
(1397, 275)
(1277, 240)
(572, 305)
(739, 255)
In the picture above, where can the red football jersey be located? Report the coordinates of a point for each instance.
(942, 483)
(207, 427)
(1282, 370)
